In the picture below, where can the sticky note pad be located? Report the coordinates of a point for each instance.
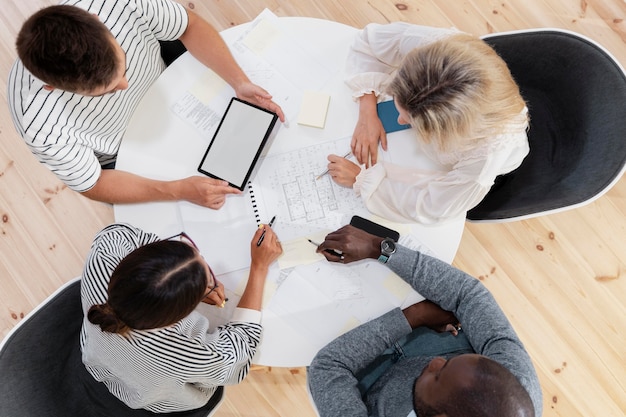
(388, 115)
(314, 109)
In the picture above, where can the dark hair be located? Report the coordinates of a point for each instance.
(154, 286)
(494, 392)
(68, 48)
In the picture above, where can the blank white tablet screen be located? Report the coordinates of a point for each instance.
(232, 151)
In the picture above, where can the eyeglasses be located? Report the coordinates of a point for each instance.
(184, 237)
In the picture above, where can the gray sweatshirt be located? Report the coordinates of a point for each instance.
(331, 375)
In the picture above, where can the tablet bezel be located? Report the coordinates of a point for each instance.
(268, 132)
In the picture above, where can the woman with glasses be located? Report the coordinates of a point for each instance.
(141, 336)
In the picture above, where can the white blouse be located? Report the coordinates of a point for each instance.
(408, 194)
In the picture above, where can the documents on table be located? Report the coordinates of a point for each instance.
(271, 59)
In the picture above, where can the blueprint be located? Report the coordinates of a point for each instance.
(286, 185)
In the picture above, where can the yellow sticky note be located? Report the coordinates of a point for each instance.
(313, 109)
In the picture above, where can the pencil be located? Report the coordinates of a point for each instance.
(258, 243)
(326, 172)
(331, 251)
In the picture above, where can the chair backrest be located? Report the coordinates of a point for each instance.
(575, 91)
(41, 370)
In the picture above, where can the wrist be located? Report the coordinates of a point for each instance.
(374, 251)
(387, 249)
(413, 315)
(367, 105)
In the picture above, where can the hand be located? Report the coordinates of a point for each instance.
(254, 94)
(217, 297)
(353, 243)
(269, 250)
(429, 314)
(207, 192)
(342, 170)
(368, 132)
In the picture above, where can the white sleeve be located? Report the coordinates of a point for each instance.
(405, 194)
(378, 50)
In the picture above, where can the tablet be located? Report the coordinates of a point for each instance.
(238, 142)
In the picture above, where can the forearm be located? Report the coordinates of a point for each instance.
(332, 374)
(120, 187)
(208, 47)
(252, 297)
(367, 105)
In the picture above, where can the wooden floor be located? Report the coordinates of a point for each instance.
(561, 279)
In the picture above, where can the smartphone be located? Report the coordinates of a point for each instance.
(374, 228)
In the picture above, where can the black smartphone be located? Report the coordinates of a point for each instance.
(374, 228)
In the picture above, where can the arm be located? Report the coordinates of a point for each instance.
(484, 323)
(206, 45)
(331, 375)
(109, 247)
(429, 196)
(375, 54)
(239, 338)
(262, 257)
(120, 187)
(368, 132)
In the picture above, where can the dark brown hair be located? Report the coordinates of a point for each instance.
(154, 286)
(68, 48)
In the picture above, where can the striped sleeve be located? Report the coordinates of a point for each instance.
(166, 19)
(109, 247)
(173, 368)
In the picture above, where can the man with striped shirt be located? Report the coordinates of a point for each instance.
(83, 68)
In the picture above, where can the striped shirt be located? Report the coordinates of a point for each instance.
(173, 368)
(72, 134)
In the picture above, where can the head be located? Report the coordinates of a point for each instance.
(154, 286)
(455, 89)
(469, 385)
(71, 49)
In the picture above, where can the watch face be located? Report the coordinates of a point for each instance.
(387, 246)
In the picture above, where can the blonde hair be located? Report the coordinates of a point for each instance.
(456, 90)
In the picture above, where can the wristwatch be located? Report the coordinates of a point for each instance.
(387, 248)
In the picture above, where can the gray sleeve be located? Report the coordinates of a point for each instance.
(331, 375)
(484, 323)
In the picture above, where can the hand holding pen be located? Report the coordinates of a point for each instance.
(258, 243)
(336, 253)
(342, 170)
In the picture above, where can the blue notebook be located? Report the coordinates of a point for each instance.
(388, 115)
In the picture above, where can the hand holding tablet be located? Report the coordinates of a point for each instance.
(238, 142)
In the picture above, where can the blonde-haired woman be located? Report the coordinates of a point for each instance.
(460, 99)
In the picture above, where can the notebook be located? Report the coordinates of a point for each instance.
(314, 109)
(388, 115)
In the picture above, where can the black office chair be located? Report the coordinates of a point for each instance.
(41, 372)
(576, 95)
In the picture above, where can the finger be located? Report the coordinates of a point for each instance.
(276, 109)
(373, 155)
(230, 190)
(452, 329)
(383, 140)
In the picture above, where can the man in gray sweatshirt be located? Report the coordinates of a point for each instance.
(396, 366)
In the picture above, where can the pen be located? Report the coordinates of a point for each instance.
(263, 234)
(326, 172)
(331, 251)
